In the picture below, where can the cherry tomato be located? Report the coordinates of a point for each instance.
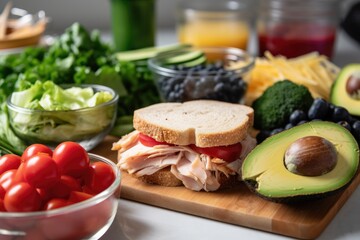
(45, 194)
(55, 203)
(227, 153)
(2, 192)
(101, 177)
(41, 171)
(9, 161)
(19, 176)
(34, 149)
(63, 188)
(7, 179)
(2, 206)
(76, 196)
(22, 197)
(149, 141)
(71, 158)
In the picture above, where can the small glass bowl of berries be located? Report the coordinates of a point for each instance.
(191, 73)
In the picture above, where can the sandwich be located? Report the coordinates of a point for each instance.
(198, 144)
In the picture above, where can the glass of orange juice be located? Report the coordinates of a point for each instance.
(215, 23)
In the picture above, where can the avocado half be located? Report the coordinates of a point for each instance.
(265, 173)
(347, 82)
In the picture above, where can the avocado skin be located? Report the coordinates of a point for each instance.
(299, 198)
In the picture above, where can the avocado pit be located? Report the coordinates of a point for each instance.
(310, 156)
(353, 85)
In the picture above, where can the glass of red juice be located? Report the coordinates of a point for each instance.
(293, 28)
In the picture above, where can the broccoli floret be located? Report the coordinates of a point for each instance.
(273, 108)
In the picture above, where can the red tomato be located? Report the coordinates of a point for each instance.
(2, 207)
(227, 153)
(22, 197)
(101, 177)
(55, 203)
(34, 149)
(63, 188)
(149, 141)
(41, 171)
(2, 192)
(7, 179)
(19, 177)
(71, 158)
(45, 194)
(9, 161)
(76, 196)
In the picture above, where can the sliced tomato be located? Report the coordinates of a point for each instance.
(149, 141)
(227, 153)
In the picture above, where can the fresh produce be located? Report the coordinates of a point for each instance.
(77, 56)
(320, 110)
(312, 70)
(48, 113)
(273, 108)
(49, 179)
(198, 82)
(345, 91)
(294, 165)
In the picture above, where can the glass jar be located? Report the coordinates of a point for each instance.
(295, 27)
(133, 23)
(214, 23)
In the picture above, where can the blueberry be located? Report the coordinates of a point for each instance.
(340, 114)
(318, 109)
(288, 126)
(262, 135)
(301, 122)
(345, 124)
(297, 116)
(356, 130)
(276, 131)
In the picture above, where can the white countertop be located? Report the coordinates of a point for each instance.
(143, 222)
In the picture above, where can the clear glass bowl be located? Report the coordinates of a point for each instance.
(88, 219)
(86, 126)
(220, 78)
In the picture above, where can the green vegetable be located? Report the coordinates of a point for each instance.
(273, 108)
(60, 124)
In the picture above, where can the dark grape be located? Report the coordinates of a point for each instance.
(276, 131)
(356, 129)
(288, 126)
(262, 135)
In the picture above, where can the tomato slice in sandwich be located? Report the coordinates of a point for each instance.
(227, 153)
(149, 141)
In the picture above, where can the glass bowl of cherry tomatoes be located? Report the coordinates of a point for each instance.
(65, 193)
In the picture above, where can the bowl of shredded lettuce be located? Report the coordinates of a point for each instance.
(49, 114)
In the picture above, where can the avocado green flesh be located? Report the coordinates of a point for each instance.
(339, 95)
(265, 164)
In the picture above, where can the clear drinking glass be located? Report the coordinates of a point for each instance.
(295, 27)
(215, 23)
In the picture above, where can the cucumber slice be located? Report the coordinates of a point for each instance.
(195, 62)
(182, 57)
(146, 53)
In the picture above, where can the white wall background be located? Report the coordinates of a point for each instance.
(91, 13)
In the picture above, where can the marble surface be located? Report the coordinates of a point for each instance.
(143, 222)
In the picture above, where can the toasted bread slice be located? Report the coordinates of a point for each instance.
(205, 123)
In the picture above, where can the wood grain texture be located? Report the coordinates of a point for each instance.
(238, 205)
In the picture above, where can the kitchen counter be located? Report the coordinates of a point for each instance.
(144, 222)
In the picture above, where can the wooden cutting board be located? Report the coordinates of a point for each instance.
(236, 206)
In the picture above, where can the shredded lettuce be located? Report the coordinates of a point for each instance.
(59, 124)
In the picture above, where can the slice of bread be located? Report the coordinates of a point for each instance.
(165, 178)
(205, 123)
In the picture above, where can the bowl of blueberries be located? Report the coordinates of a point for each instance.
(192, 73)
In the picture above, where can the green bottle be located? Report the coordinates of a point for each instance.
(133, 24)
